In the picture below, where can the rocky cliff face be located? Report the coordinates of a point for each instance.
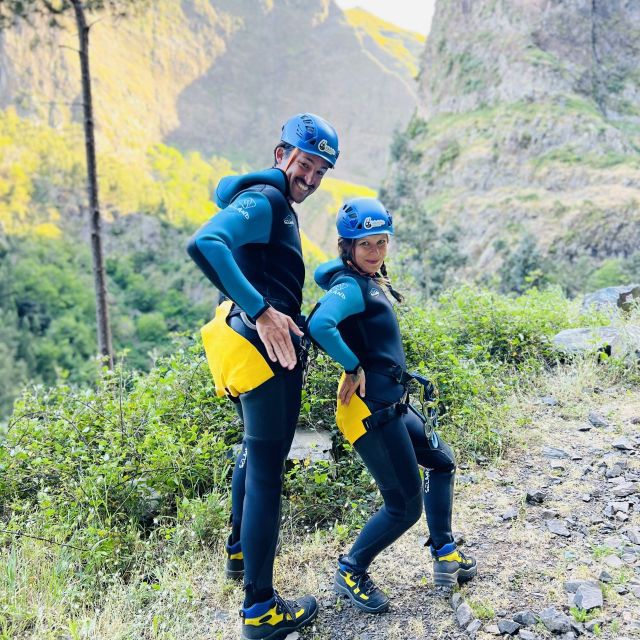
(217, 76)
(528, 127)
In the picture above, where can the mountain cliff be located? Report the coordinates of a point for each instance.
(219, 77)
(524, 152)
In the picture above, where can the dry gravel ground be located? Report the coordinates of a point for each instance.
(522, 564)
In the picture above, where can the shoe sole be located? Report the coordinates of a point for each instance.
(451, 579)
(343, 591)
(280, 634)
(234, 575)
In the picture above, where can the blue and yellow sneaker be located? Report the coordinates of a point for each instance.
(234, 568)
(360, 589)
(277, 617)
(451, 566)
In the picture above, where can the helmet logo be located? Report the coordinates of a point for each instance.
(324, 146)
(370, 223)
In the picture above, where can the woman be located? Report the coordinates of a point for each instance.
(355, 324)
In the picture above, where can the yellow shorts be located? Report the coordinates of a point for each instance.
(236, 365)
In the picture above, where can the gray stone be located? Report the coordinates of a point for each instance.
(588, 596)
(456, 600)
(585, 426)
(622, 443)
(613, 561)
(554, 452)
(311, 445)
(614, 472)
(578, 627)
(464, 615)
(619, 506)
(548, 514)
(625, 489)
(510, 514)
(525, 618)
(525, 634)
(558, 528)
(633, 535)
(492, 629)
(605, 576)
(550, 401)
(597, 420)
(621, 342)
(611, 298)
(536, 496)
(569, 635)
(474, 627)
(572, 586)
(585, 497)
(508, 627)
(555, 621)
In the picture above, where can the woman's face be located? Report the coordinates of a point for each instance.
(369, 252)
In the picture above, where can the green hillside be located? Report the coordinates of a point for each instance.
(219, 77)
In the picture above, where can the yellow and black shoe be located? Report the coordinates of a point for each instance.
(451, 566)
(277, 617)
(360, 589)
(234, 568)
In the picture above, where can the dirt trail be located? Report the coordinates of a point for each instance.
(588, 481)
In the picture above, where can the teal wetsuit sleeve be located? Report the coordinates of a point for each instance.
(246, 220)
(344, 299)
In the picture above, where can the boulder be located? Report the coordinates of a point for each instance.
(588, 596)
(611, 298)
(555, 621)
(619, 342)
(311, 445)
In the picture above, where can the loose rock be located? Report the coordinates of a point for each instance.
(624, 444)
(597, 420)
(508, 627)
(525, 618)
(554, 452)
(558, 528)
(613, 561)
(510, 514)
(464, 615)
(588, 596)
(474, 627)
(536, 496)
(527, 635)
(624, 489)
(555, 621)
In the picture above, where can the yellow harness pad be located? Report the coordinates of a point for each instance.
(349, 417)
(235, 364)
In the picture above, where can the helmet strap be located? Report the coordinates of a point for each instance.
(292, 156)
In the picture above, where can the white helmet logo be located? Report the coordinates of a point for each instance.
(326, 148)
(370, 223)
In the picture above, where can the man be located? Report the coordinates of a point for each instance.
(251, 252)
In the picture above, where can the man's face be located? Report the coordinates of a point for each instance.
(304, 172)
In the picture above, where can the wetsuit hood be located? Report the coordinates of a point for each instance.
(326, 271)
(228, 188)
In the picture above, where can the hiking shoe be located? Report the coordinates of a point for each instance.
(451, 566)
(360, 589)
(277, 617)
(234, 568)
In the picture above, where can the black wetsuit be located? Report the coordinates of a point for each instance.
(251, 251)
(356, 324)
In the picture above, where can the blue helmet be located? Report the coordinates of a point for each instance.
(361, 217)
(312, 134)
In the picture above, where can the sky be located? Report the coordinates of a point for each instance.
(409, 14)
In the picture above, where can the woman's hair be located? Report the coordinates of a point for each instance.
(345, 252)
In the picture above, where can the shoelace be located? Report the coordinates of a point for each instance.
(366, 584)
(285, 606)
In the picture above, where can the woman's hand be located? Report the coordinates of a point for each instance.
(352, 382)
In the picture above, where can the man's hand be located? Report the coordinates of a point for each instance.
(273, 328)
(351, 383)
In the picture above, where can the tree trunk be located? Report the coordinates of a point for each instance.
(100, 280)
